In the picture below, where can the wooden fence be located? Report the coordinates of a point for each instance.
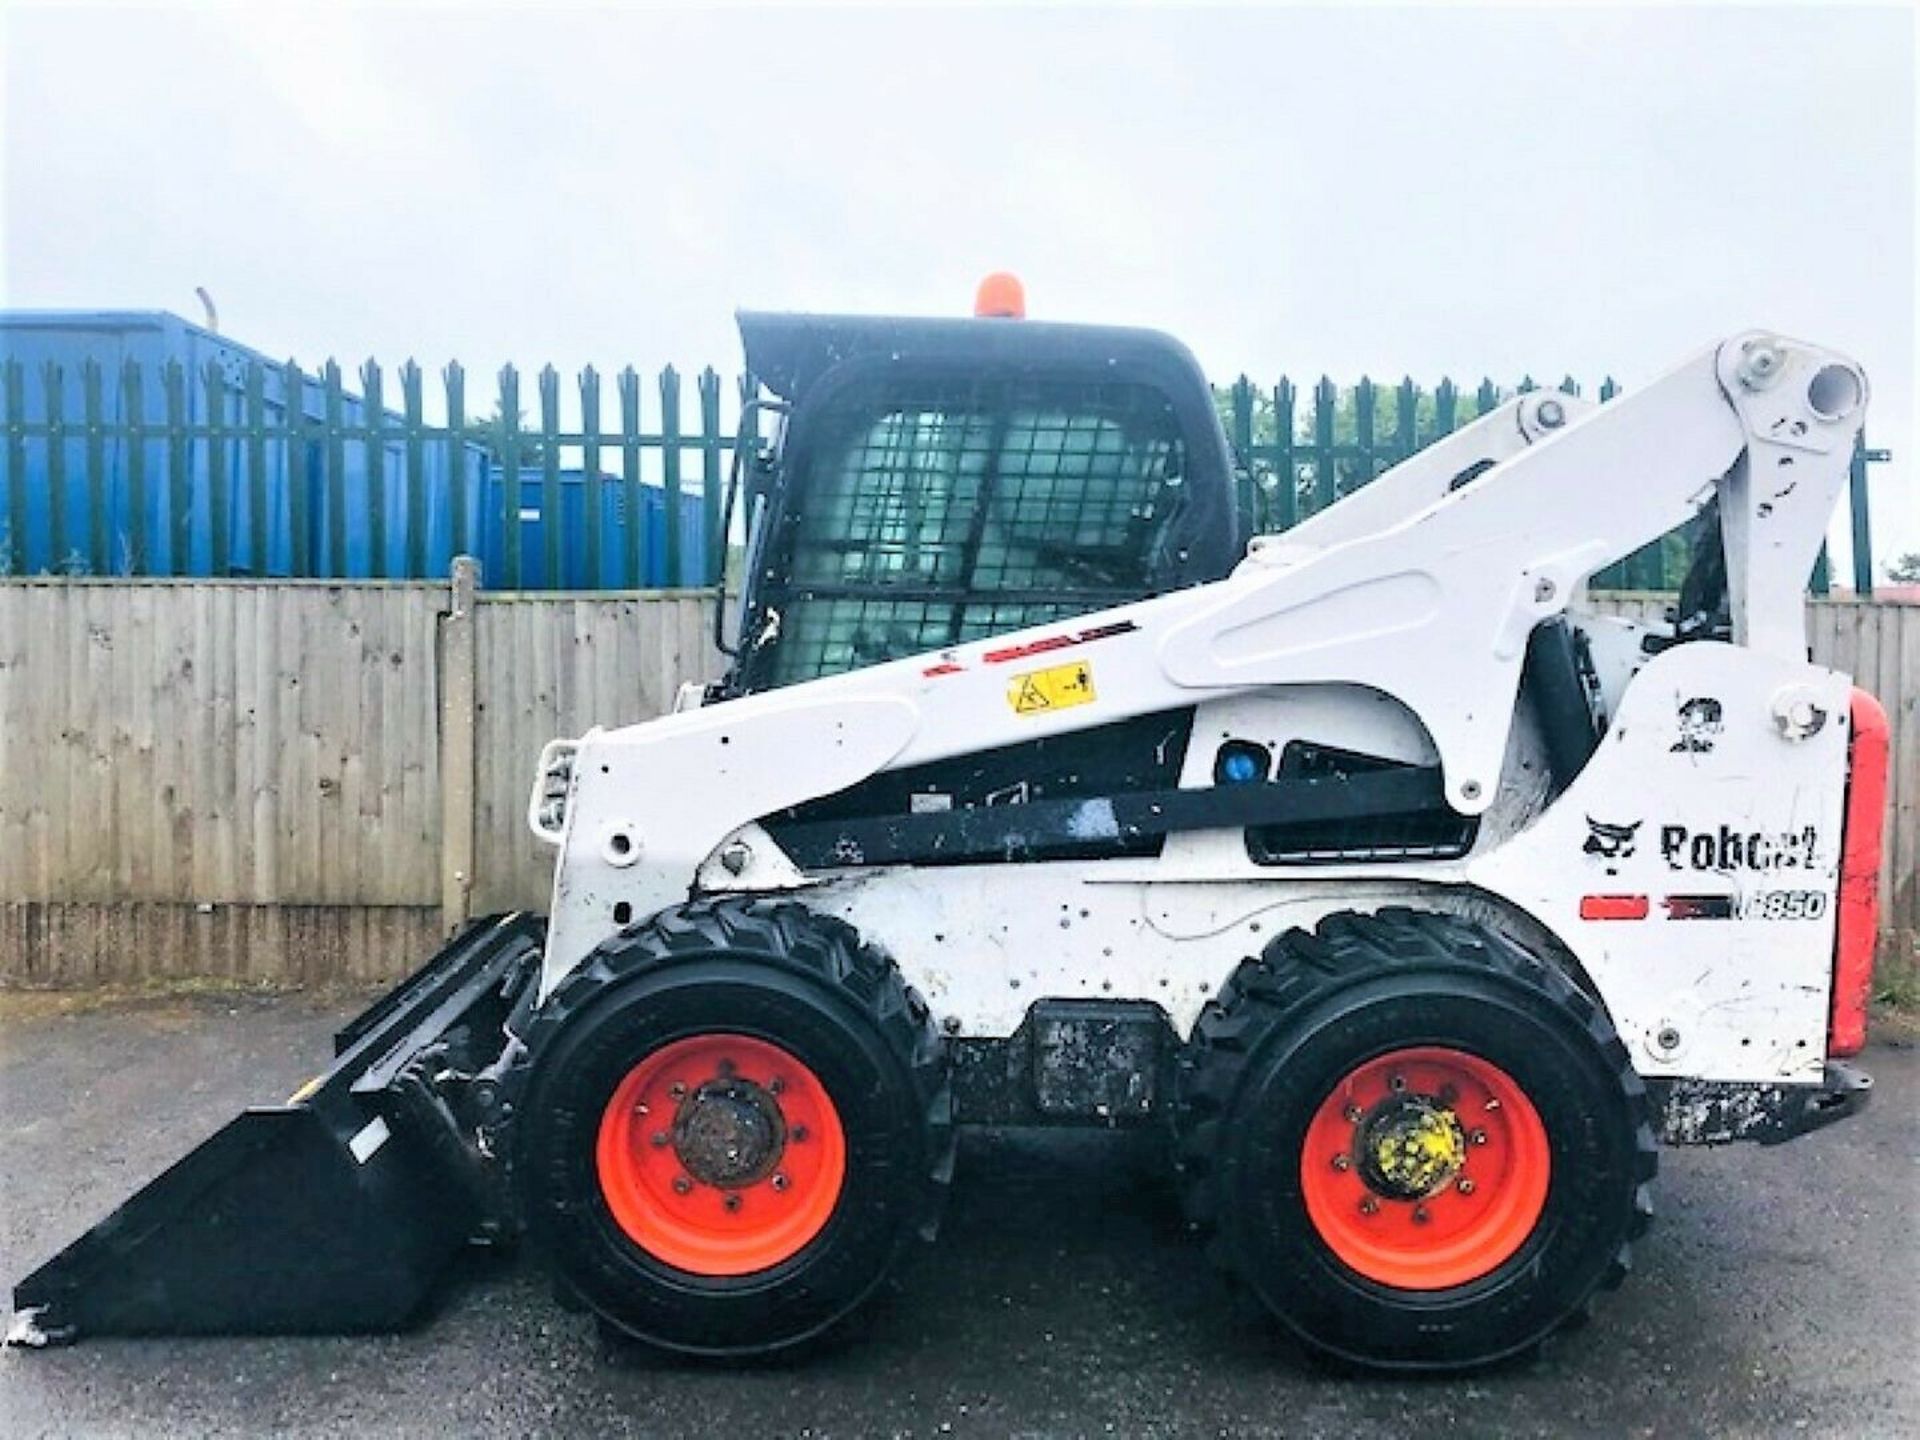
(292, 782)
(302, 782)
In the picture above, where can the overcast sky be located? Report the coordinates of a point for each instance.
(1446, 191)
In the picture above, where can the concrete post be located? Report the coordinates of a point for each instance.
(458, 718)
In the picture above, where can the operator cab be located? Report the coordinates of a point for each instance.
(935, 481)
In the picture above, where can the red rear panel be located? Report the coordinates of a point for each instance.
(1859, 902)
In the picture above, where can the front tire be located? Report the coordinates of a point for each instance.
(737, 1120)
(1422, 1147)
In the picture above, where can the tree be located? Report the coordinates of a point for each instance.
(1905, 569)
(486, 434)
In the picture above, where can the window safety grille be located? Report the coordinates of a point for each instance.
(953, 512)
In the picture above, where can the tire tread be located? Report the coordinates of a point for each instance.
(1298, 969)
(786, 934)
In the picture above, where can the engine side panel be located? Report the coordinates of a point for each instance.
(1692, 866)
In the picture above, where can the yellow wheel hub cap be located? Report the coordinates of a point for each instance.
(1416, 1147)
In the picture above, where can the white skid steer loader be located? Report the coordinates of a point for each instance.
(1419, 901)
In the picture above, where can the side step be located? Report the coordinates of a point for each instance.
(331, 1214)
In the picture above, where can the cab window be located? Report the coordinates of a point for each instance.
(918, 517)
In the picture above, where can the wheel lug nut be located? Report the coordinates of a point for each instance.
(1420, 1216)
(659, 1139)
(798, 1134)
(1369, 1206)
(681, 1185)
(724, 1068)
(779, 1181)
(776, 1086)
(1493, 1104)
(1342, 1162)
(732, 1203)
(1465, 1186)
(677, 1090)
(1478, 1137)
(1449, 1094)
(1396, 1082)
(1353, 1114)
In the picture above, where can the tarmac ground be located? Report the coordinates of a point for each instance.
(1776, 1294)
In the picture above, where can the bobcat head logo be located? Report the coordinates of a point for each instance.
(1610, 842)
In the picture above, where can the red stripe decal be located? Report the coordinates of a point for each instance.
(1032, 647)
(949, 668)
(1059, 642)
(1615, 907)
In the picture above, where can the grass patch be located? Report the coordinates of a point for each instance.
(1896, 974)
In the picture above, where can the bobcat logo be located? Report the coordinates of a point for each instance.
(1610, 842)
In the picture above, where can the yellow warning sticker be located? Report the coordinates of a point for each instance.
(1059, 687)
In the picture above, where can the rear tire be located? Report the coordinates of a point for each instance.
(1420, 1146)
(737, 1120)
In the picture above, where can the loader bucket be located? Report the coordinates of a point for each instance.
(332, 1214)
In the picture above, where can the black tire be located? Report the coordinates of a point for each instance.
(799, 980)
(1286, 1029)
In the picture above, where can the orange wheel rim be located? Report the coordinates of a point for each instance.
(721, 1155)
(1425, 1168)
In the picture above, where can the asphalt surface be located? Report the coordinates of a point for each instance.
(1776, 1295)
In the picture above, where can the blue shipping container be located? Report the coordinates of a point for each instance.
(53, 347)
(616, 536)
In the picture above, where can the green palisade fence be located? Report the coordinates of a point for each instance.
(266, 470)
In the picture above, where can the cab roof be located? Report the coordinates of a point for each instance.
(788, 353)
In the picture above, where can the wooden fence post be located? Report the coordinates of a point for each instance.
(458, 693)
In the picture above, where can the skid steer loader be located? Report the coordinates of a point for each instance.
(1416, 899)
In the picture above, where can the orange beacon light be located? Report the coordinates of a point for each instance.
(1001, 296)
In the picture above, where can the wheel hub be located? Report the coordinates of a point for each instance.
(1425, 1168)
(729, 1133)
(721, 1154)
(1410, 1147)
